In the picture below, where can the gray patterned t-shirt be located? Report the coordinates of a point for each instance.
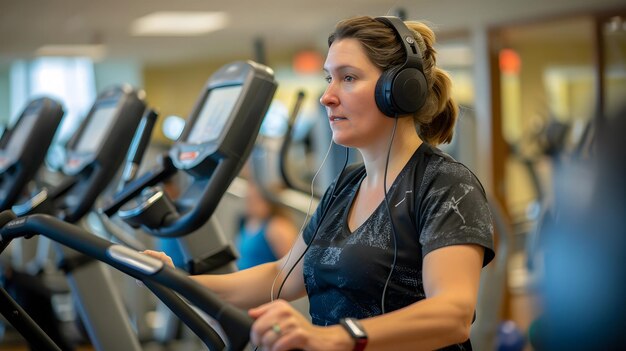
(345, 272)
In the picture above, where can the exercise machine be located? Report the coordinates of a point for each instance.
(93, 157)
(213, 147)
(154, 273)
(24, 147)
(22, 152)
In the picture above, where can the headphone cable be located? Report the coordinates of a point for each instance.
(393, 230)
(318, 226)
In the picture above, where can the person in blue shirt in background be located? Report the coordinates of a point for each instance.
(266, 232)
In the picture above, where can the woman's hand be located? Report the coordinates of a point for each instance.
(160, 255)
(279, 327)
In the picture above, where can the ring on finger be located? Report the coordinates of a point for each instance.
(276, 328)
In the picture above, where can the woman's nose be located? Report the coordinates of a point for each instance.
(329, 98)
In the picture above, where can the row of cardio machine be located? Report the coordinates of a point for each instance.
(102, 158)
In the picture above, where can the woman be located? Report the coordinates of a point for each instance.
(370, 282)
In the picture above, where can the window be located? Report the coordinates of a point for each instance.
(68, 80)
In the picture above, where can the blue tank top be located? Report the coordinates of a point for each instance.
(253, 248)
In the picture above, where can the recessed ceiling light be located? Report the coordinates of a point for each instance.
(95, 51)
(179, 23)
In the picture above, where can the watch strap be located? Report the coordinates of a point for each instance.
(356, 331)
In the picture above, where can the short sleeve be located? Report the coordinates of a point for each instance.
(454, 210)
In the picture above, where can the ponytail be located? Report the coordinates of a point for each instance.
(442, 110)
(436, 119)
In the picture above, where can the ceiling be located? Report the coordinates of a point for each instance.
(283, 25)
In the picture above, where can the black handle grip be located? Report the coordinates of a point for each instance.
(139, 145)
(134, 188)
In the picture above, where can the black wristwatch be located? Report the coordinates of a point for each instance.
(356, 331)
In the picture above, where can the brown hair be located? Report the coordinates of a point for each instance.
(435, 120)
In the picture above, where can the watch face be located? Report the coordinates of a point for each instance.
(356, 329)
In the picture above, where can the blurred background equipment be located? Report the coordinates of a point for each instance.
(583, 250)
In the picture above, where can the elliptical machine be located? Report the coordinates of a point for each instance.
(94, 155)
(24, 147)
(213, 147)
(22, 152)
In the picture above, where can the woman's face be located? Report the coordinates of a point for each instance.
(354, 117)
(257, 206)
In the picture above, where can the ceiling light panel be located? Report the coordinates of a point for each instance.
(179, 23)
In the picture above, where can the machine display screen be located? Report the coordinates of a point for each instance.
(18, 138)
(214, 114)
(96, 129)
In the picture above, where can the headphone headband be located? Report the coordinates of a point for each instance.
(406, 37)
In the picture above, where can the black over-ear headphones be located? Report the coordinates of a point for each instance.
(402, 89)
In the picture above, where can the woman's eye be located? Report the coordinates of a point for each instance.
(327, 79)
(348, 79)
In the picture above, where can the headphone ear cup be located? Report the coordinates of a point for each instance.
(383, 92)
(400, 91)
(408, 91)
